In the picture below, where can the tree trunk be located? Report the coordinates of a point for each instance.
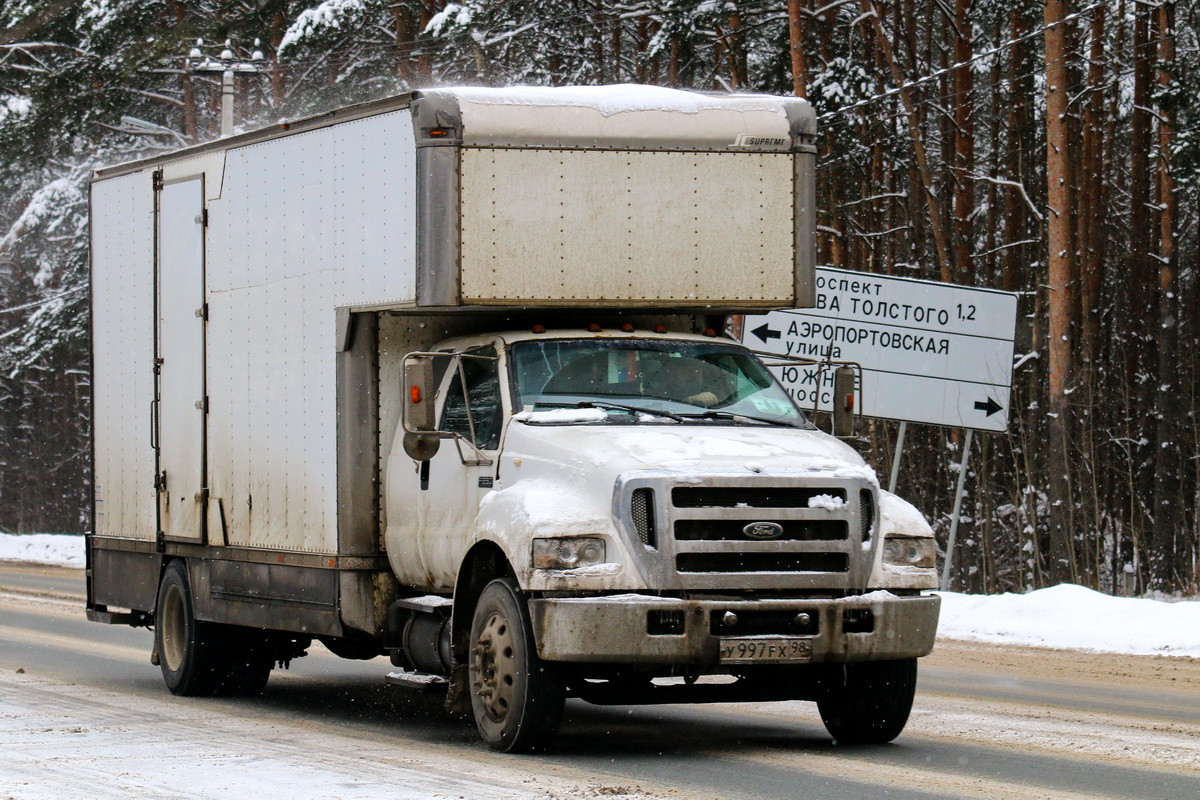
(936, 222)
(1169, 550)
(1093, 213)
(964, 141)
(796, 49)
(1061, 566)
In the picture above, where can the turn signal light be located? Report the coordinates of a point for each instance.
(414, 394)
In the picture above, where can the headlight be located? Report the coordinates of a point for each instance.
(908, 552)
(568, 553)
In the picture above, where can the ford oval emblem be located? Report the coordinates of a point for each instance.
(763, 530)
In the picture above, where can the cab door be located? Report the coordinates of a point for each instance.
(433, 506)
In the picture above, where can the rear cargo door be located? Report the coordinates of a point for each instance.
(182, 404)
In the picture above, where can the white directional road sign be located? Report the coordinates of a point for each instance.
(931, 352)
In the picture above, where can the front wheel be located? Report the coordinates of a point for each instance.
(516, 698)
(867, 702)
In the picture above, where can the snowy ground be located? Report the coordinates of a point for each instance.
(43, 548)
(1062, 617)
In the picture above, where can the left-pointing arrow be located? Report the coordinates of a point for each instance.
(991, 407)
(765, 333)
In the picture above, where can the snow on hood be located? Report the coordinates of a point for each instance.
(593, 453)
(900, 517)
(562, 416)
(542, 507)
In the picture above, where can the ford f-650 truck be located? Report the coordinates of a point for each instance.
(443, 378)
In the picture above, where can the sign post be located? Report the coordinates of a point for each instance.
(930, 352)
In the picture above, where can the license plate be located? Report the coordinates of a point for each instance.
(766, 651)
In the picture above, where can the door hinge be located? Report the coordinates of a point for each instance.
(202, 217)
(202, 495)
(202, 312)
(202, 405)
(157, 180)
(160, 482)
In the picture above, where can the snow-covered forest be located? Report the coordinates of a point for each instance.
(1050, 149)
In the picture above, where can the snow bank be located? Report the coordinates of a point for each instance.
(63, 550)
(1069, 617)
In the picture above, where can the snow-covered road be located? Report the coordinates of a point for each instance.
(89, 717)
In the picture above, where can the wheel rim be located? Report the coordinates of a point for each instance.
(173, 628)
(495, 667)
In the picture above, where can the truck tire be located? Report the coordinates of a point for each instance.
(516, 698)
(867, 702)
(189, 655)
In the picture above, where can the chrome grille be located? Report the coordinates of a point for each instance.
(696, 530)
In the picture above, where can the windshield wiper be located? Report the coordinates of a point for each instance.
(604, 404)
(633, 409)
(730, 415)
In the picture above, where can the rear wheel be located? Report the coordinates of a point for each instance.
(516, 698)
(867, 702)
(200, 658)
(189, 656)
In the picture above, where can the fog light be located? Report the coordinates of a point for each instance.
(909, 552)
(568, 553)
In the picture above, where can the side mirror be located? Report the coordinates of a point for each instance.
(845, 383)
(419, 418)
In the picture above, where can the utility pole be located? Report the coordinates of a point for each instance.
(228, 63)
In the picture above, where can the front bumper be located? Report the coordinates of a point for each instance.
(617, 629)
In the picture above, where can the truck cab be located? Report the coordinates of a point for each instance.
(659, 510)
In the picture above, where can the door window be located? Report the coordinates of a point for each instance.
(472, 406)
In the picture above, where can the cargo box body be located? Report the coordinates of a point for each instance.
(240, 288)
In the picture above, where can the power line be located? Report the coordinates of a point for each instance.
(43, 301)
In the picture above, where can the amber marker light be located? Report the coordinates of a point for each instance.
(538, 329)
(627, 327)
(594, 328)
(660, 328)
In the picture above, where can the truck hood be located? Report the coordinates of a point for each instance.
(595, 452)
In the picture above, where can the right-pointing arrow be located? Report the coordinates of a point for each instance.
(991, 407)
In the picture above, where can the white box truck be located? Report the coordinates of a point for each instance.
(442, 378)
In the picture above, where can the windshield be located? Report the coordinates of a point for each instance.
(667, 378)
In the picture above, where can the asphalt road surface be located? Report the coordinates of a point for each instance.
(83, 714)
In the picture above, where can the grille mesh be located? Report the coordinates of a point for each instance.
(866, 510)
(641, 508)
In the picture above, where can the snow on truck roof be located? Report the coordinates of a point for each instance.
(626, 115)
(620, 98)
(621, 115)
